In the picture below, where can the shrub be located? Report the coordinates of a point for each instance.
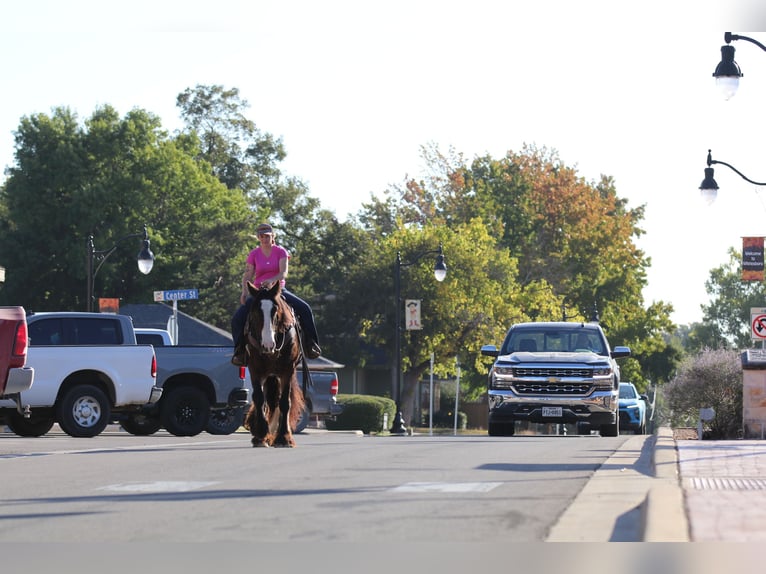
(713, 378)
(363, 412)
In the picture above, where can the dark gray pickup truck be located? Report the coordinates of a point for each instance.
(204, 391)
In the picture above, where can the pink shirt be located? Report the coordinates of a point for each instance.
(267, 267)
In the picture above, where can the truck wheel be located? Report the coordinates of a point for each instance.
(501, 429)
(185, 411)
(141, 425)
(31, 427)
(225, 421)
(303, 422)
(610, 430)
(84, 411)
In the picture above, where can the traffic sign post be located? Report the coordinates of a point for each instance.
(176, 295)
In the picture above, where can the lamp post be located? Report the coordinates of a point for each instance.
(709, 187)
(440, 272)
(145, 260)
(727, 72)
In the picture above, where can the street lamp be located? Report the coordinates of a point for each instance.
(727, 72)
(145, 260)
(709, 187)
(440, 272)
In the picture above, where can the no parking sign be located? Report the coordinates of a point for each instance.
(758, 323)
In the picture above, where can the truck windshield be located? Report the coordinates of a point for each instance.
(569, 340)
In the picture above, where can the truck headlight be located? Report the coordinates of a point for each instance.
(504, 371)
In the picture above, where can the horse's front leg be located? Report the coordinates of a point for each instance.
(255, 420)
(284, 432)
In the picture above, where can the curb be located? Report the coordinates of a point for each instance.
(663, 513)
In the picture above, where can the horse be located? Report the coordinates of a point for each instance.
(273, 354)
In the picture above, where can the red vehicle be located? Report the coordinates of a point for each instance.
(15, 376)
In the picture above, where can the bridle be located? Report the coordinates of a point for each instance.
(280, 336)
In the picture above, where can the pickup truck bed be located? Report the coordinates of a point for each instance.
(15, 375)
(88, 372)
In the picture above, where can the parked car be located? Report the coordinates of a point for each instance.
(632, 409)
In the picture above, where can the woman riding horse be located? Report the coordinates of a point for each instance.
(267, 264)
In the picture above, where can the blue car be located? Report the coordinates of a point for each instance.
(632, 409)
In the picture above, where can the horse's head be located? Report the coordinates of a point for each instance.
(267, 317)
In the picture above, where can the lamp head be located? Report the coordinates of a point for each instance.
(440, 269)
(145, 258)
(709, 187)
(727, 73)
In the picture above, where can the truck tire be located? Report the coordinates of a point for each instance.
(610, 430)
(501, 429)
(225, 421)
(185, 411)
(141, 425)
(83, 411)
(32, 427)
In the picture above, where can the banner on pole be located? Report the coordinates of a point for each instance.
(413, 314)
(752, 259)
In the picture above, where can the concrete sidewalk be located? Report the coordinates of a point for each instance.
(721, 486)
(724, 485)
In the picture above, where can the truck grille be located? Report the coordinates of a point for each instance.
(552, 372)
(542, 388)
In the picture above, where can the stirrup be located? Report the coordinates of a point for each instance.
(239, 358)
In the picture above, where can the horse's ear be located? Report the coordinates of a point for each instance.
(275, 289)
(251, 288)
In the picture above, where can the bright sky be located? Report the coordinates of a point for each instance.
(355, 89)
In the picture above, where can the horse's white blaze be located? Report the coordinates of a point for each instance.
(267, 333)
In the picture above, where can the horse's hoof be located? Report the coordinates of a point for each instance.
(257, 443)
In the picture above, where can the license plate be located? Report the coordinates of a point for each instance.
(552, 411)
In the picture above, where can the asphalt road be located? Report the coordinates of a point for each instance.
(334, 487)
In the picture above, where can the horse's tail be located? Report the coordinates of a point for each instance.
(297, 402)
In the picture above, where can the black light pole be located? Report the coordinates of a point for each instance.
(440, 272)
(709, 187)
(145, 260)
(727, 72)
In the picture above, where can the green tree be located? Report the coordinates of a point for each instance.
(575, 236)
(108, 178)
(476, 303)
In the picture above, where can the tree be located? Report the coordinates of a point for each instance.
(240, 155)
(109, 178)
(475, 305)
(574, 236)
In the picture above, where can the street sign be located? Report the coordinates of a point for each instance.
(176, 295)
(758, 323)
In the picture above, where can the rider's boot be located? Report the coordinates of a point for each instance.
(239, 358)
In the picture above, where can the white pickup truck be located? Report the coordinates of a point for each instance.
(89, 372)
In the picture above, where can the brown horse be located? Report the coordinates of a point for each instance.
(273, 353)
